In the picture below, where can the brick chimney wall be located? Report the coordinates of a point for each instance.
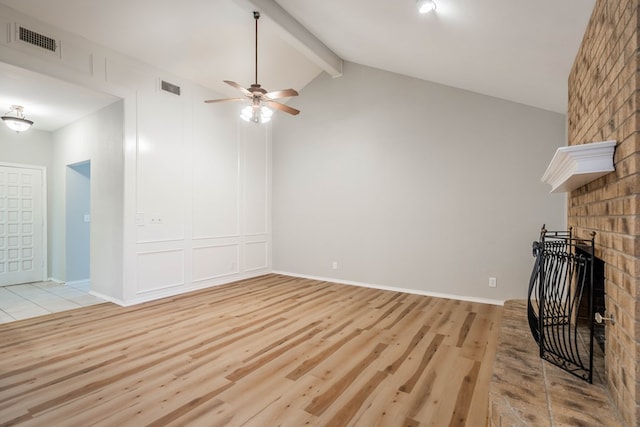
(604, 104)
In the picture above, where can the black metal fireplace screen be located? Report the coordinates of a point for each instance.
(562, 282)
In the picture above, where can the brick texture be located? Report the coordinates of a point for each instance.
(604, 104)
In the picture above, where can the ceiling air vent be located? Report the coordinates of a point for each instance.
(171, 88)
(36, 39)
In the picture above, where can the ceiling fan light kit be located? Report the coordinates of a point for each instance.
(256, 114)
(258, 111)
(425, 6)
(15, 120)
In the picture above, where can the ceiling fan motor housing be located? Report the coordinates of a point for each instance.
(256, 88)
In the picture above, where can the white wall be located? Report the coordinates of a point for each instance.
(202, 195)
(411, 184)
(96, 138)
(31, 147)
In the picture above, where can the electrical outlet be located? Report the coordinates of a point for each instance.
(334, 265)
(493, 282)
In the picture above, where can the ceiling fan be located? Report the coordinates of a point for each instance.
(258, 111)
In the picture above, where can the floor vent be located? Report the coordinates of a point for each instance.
(36, 39)
(171, 88)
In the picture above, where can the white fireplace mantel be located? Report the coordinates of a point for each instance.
(576, 165)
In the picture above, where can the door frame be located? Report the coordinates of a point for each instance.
(45, 218)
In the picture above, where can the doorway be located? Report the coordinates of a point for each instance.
(22, 224)
(78, 223)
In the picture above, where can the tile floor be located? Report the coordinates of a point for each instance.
(27, 300)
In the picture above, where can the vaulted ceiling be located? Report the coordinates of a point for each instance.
(519, 50)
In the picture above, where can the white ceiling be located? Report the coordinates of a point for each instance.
(519, 50)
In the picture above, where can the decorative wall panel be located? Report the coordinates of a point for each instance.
(211, 262)
(161, 168)
(160, 270)
(256, 256)
(215, 166)
(256, 179)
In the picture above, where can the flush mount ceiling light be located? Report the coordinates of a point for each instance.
(14, 119)
(425, 6)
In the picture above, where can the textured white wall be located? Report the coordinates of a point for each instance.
(413, 185)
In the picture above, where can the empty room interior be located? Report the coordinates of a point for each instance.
(362, 213)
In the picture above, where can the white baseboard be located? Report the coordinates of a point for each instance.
(108, 298)
(391, 288)
(54, 280)
(78, 282)
(171, 292)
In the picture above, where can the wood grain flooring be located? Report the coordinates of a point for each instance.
(269, 351)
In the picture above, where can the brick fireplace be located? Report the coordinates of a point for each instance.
(604, 104)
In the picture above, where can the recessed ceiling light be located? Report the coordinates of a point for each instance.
(425, 6)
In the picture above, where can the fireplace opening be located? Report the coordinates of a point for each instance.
(559, 287)
(598, 296)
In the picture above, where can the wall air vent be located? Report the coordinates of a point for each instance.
(169, 87)
(36, 39)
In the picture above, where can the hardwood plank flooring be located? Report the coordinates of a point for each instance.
(269, 351)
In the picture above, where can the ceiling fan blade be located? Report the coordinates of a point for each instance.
(285, 93)
(283, 107)
(209, 101)
(237, 86)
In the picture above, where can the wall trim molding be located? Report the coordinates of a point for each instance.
(394, 289)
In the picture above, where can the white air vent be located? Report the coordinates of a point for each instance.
(170, 87)
(36, 39)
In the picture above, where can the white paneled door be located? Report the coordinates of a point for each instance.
(21, 225)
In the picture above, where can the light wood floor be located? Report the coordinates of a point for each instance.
(269, 351)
